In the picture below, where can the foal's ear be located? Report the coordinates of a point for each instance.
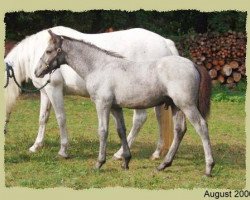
(53, 36)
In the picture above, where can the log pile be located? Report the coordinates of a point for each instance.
(8, 46)
(223, 55)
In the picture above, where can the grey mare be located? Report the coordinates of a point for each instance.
(136, 44)
(114, 82)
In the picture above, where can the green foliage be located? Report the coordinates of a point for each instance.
(171, 23)
(237, 94)
(223, 21)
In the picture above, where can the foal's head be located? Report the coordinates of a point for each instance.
(53, 56)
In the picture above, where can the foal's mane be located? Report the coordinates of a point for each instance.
(110, 53)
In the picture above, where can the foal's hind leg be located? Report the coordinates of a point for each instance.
(45, 107)
(121, 129)
(201, 128)
(179, 131)
(139, 119)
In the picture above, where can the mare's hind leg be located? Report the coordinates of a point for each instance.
(157, 152)
(121, 129)
(45, 107)
(179, 131)
(201, 128)
(139, 119)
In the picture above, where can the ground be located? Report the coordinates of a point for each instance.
(46, 170)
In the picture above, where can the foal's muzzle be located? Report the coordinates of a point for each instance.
(42, 70)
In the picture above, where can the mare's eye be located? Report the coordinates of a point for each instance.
(48, 51)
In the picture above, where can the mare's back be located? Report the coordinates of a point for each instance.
(135, 44)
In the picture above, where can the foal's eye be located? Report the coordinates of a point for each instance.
(48, 51)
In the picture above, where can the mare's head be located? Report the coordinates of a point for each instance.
(53, 56)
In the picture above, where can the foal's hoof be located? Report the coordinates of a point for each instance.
(125, 166)
(208, 175)
(209, 169)
(63, 155)
(162, 166)
(98, 164)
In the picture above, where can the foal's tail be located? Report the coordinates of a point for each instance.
(204, 91)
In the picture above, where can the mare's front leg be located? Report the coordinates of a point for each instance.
(45, 107)
(55, 94)
(139, 118)
(7, 118)
(103, 111)
(121, 129)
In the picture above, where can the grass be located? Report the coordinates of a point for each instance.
(236, 94)
(45, 170)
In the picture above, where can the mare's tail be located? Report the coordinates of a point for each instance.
(204, 91)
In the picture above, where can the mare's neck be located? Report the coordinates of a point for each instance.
(84, 58)
(19, 63)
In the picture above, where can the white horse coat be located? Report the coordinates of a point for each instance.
(113, 82)
(135, 44)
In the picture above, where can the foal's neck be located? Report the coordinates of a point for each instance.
(85, 58)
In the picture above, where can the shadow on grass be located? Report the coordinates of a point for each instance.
(187, 154)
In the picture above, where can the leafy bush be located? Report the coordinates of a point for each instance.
(170, 23)
(237, 94)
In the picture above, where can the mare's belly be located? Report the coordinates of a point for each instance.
(73, 83)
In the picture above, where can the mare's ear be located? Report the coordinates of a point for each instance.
(53, 36)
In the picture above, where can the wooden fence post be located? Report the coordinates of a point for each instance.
(166, 129)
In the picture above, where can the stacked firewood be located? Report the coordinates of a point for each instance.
(223, 55)
(8, 46)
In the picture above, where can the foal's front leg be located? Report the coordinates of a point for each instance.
(103, 111)
(139, 119)
(121, 129)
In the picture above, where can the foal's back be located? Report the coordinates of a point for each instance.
(147, 84)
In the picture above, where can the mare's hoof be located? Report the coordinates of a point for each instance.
(35, 148)
(117, 157)
(31, 150)
(153, 157)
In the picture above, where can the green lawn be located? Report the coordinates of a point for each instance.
(45, 170)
